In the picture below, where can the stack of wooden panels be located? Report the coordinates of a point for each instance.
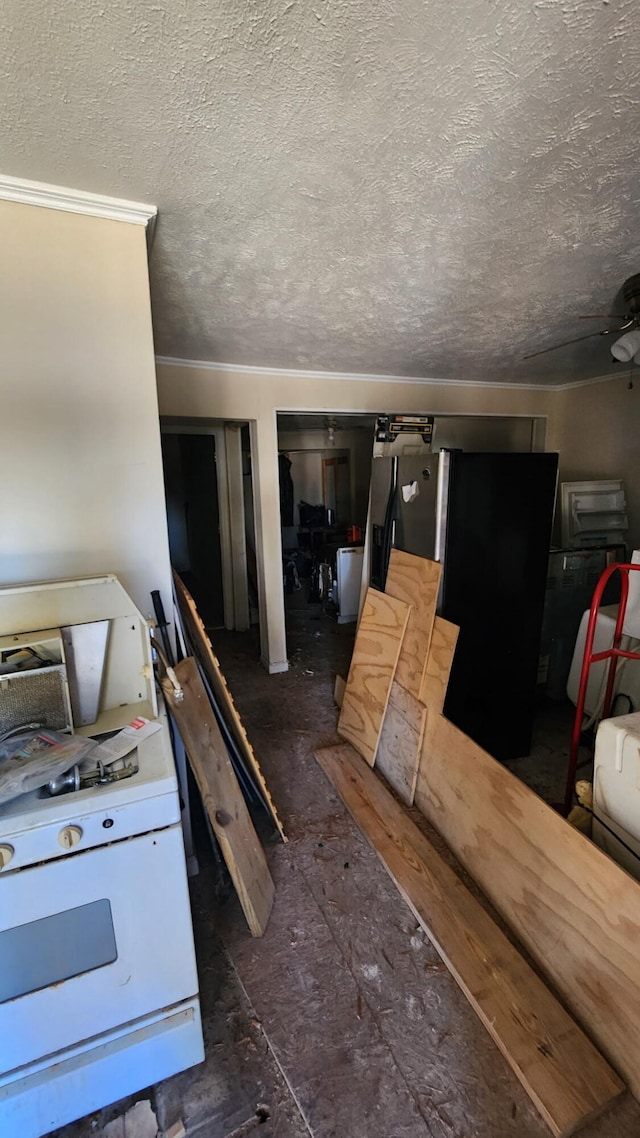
(400, 642)
(575, 911)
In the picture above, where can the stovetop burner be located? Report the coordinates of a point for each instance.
(31, 825)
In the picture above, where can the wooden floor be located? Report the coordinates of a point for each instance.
(342, 1021)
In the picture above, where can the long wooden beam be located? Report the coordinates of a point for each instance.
(572, 907)
(221, 795)
(567, 1079)
(202, 646)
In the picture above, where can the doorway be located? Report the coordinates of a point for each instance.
(191, 489)
(210, 517)
(325, 474)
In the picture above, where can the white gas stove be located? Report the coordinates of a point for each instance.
(98, 983)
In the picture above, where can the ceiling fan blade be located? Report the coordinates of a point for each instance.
(565, 343)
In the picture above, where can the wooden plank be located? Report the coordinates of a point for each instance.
(415, 581)
(434, 686)
(439, 660)
(221, 795)
(207, 657)
(338, 690)
(373, 664)
(400, 743)
(566, 1078)
(575, 910)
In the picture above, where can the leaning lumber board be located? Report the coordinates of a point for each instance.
(338, 690)
(203, 648)
(574, 909)
(221, 795)
(416, 581)
(438, 666)
(566, 1078)
(434, 686)
(400, 743)
(373, 664)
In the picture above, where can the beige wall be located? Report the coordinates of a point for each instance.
(79, 437)
(597, 431)
(192, 392)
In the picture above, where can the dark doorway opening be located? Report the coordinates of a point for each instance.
(191, 489)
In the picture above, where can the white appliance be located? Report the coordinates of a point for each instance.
(593, 513)
(616, 790)
(348, 582)
(98, 982)
(627, 682)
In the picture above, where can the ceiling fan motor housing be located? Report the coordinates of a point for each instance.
(631, 294)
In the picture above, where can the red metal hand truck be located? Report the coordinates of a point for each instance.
(590, 657)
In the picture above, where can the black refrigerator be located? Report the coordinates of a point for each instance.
(487, 517)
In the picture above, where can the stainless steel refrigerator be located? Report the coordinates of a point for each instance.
(487, 517)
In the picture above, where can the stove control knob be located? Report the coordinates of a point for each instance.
(69, 837)
(6, 853)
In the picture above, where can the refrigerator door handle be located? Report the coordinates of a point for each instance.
(442, 498)
(388, 532)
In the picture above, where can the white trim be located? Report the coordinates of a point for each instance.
(619, 374)
(355, 377)
(75, 201)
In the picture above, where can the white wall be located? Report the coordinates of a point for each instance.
(79, 435)
(193, 391)
(306, 475)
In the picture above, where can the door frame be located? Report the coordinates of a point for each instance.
(229, 568)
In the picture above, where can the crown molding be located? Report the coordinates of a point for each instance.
(587, 382)
(76, 201)
(353, 377)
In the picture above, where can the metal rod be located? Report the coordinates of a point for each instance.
(161, 621)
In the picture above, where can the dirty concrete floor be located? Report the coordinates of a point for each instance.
(342, 1021)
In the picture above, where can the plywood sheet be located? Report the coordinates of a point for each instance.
(416, 581)
(439, 660)
(575, 910)
(373, 664)
(400, 743)
(207, 657)
(434, 685)
(221, 795)
(567, 1079)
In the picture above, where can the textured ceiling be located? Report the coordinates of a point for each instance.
(408, 187)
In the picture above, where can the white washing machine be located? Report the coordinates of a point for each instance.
(349, 582)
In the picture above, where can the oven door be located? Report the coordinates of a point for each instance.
(91, 942)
